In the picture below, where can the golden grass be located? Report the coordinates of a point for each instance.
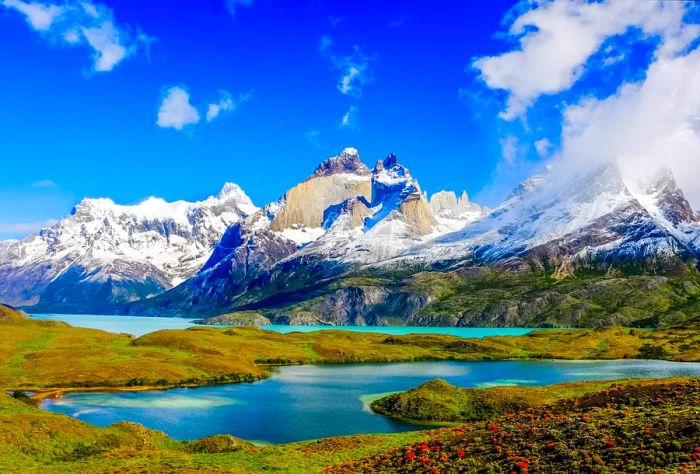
(44, 354)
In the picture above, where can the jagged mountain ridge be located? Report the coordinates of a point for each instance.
(593, 217)
(625, 252)
(354, 245)
(341, 216)
(104, 252)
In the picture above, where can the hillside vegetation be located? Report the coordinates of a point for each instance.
(493, 297)
(45, 354)
(643, 427)
(439, 401)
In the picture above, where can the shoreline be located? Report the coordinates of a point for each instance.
(57, 393)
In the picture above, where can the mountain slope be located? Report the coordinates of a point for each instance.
(105, 252)
(342, 216)
(593, 250)
(594, 220)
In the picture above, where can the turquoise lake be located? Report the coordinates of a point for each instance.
(314, 401)
(140, 325)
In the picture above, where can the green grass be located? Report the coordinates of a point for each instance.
(44, 354)
(635, 427)
(438, 401)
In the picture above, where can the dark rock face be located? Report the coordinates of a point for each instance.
(81, 290)
(368, 305)
(347, 162)
(670, 199)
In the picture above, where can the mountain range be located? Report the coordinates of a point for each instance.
(354, 245)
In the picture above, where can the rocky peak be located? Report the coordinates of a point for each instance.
(448, 200)
(348, 161)
(390, 171)
(670, 200)
(232, 191)
(398, 195)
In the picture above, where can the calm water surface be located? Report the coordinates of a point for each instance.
(304, 402)
(140, 325)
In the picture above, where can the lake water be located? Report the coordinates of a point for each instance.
(140, 325)
(314, 401)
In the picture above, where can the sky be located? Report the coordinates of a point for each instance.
(165, 98)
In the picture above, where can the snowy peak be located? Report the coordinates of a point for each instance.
(668, 198)
(348, 161)
(230, 199)
(592, 216)
(148, 247)
(397, 196)
(301, 210)
(233, 192)
(446, 204)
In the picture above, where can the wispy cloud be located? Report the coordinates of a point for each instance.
(543, 147)
(225, 104)
(313, 137)
(175, 109)
(354, 68)
(43, 184)
(232, 5)
(82, 23)
(349, 119)
(509, 149)
(39, 15)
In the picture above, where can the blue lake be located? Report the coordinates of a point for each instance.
(314, 401)
(140, 325)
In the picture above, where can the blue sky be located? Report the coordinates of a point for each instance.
(286, 85)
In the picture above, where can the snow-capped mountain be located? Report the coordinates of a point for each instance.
(395, 217)
(300, 258)
(343, 215)
(106, 252)
(594, 218)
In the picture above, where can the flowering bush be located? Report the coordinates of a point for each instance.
(593, 434)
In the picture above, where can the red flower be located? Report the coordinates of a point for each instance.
(610, 443)
(424, 447)
(493, 427)
(647, 431)
(550, 445)
(460, 453)
(410, 456)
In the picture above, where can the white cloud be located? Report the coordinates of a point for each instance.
(39, 15)
(104, 40)
(175, 109)
(82, 23)
(557, 38)
(643, 126)
(543, 147)
(354, 68)
(226, 103)
(349, 119)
